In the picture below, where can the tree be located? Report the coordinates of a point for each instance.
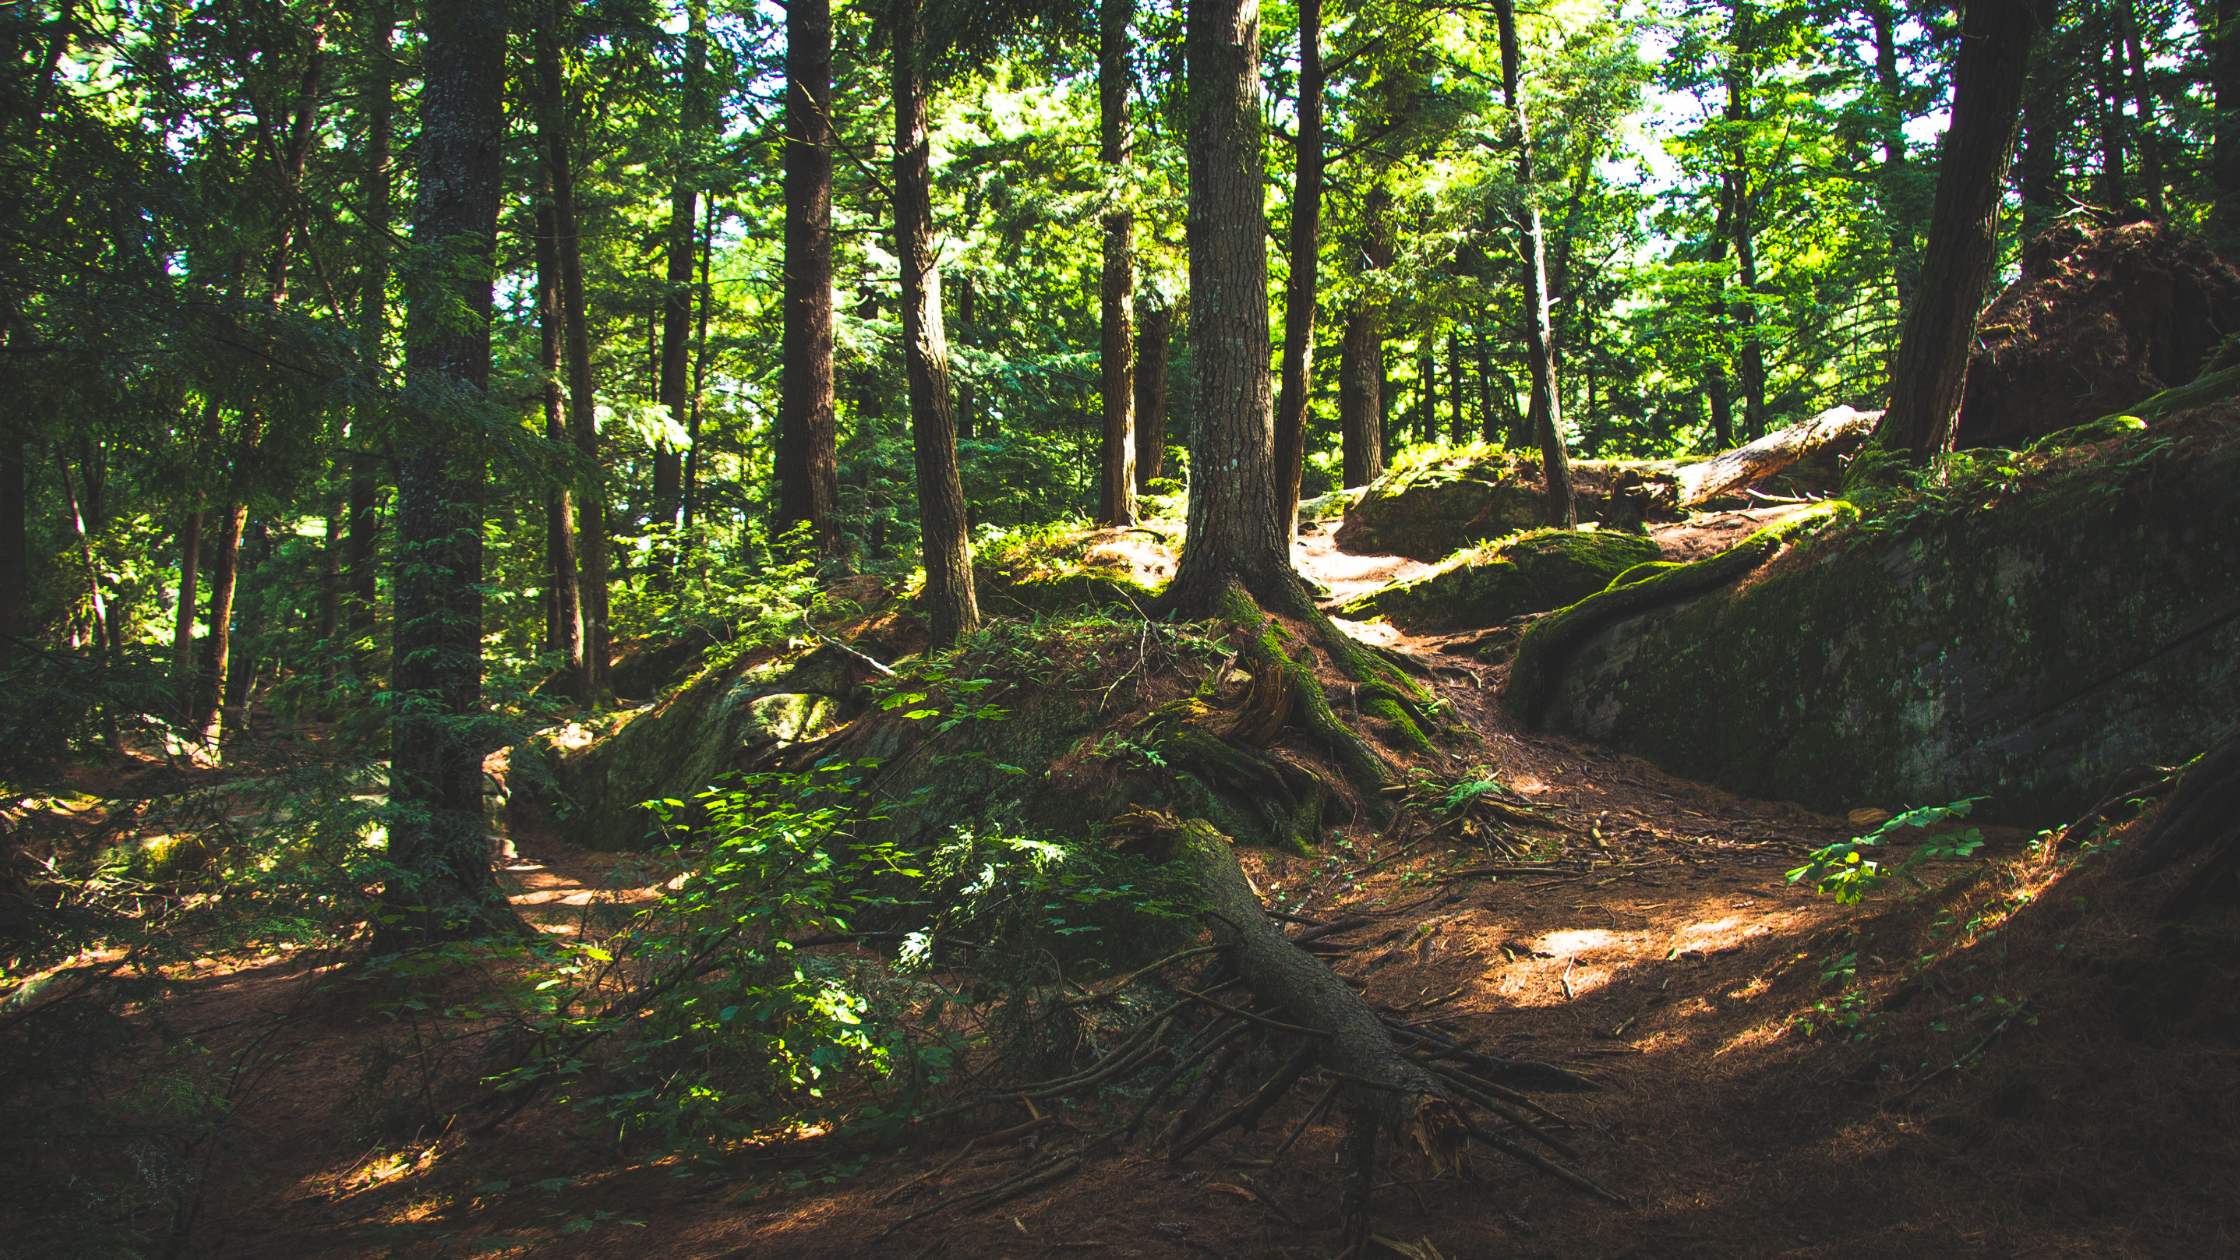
(1361, 350)
(951, 607)
(1304, 283)
(1547, 403)
(1116, 482)
(445, 886)
(1930, 371)
(675, 387)
(808, 462)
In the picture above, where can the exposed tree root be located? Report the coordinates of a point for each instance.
(2203, 814)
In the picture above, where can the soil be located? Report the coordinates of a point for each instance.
(1991, 1075)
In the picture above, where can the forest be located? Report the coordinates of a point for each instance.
(1265, 628)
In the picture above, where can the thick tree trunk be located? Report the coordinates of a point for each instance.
(1116, 481)
(583, 425)
(190, 562)
(1152, 335)
(808, 461)
(1962, 249)
(444, 885)
(217, 646)
(2224, 123)
(1360, 397)
(565, 632)
(1547, 403)
(951, 609)
(1236, 499)
(1305, 280)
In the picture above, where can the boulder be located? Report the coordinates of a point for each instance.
(1430, 510)
(1497, 582)
(2027, 650)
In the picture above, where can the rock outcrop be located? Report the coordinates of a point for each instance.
(1526, 573)
(2027, 649)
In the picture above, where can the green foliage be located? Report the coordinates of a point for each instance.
(1847, 873)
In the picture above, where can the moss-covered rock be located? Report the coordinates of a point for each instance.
(590, 783)
(1502, 580)
(2029, 651)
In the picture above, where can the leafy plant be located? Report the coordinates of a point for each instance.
(1846, 872)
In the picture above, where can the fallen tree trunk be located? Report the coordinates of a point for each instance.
(1692, 484)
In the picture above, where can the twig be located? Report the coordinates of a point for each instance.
(1278, 1025)
(1544, 1164)
(1977, 1049)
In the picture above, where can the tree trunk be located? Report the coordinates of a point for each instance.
(1116, 481)
(330, 566)
(1458, 423)
(2112, 189)
(1360, 397)
(1236, 499)
(2224, 123)
(1890, 122)
(1696, 483)
(694, 456)
(808, 461)
(591, 526)
(1750, 362)
(1152, 336)
(1962, 249)
(444, 884)
(951, 609)
(103, 637)
(1305, 280)
(373, 321)
(15, 550)
(968, 319)
(2044, 127)
(2142, 95)
(1547, 404)
(565, 634)
(217, 645)
(190, 561)
(676, 299)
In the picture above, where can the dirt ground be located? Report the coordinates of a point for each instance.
(1981, 1075)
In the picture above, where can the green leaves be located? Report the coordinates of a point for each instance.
(1846, 872)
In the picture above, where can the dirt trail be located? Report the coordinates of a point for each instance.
(1668, 957)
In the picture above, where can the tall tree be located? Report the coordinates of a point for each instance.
(555, 19)
(675, 384)
(565, 634)
(1930, 371)
(1304, 282)
(1750, 355)
(377, 97)
(2224, 123)
(951, 608)
(1547, 403)
(1361, 350)
(1153, 332)
(1233, 531)
(1116, 494)
(808, 461)
(445, 885)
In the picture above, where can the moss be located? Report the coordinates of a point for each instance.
(2030, 648)
(1068, 591)
(1548, 639)
(1643, 572)
(2101, 430)
(1432, 506)
(1528, 573)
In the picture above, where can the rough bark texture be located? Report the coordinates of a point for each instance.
(373, 325)
(676, 302)
(1361, 397)
(583, 424)
(1696, 483)
(190, 560)
(1300, 288)
(15, 552)
(1152, 336)
(808, 463)
(1116, 496)
(1547, 403)
(945, 540)
(565, 632)
(2044, 127)
(1235, 498)
(217, 646)
(1930, 371)
(445, 886)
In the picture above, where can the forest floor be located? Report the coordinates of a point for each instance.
(2011, 1061)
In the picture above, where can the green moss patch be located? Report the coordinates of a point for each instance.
(1527, 573)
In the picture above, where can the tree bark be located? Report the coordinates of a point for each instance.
(1116, 494)
(190, 561)
(583, 425)
(373, 321)
(2043, 129)
(1360, 397)
(2142, 95)
(1236, 498)
(15, 550)
(676, 300)
(217, 646)
(808, 461)
(1957, 262)
(2224, 124)
(1152, 335)
(951, 609)
(1692, 484)
(1547, 404)
(565, 633)
(445, 886)
(2112, 187)
(1305, 279)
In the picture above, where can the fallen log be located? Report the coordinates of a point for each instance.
(1636, 496)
